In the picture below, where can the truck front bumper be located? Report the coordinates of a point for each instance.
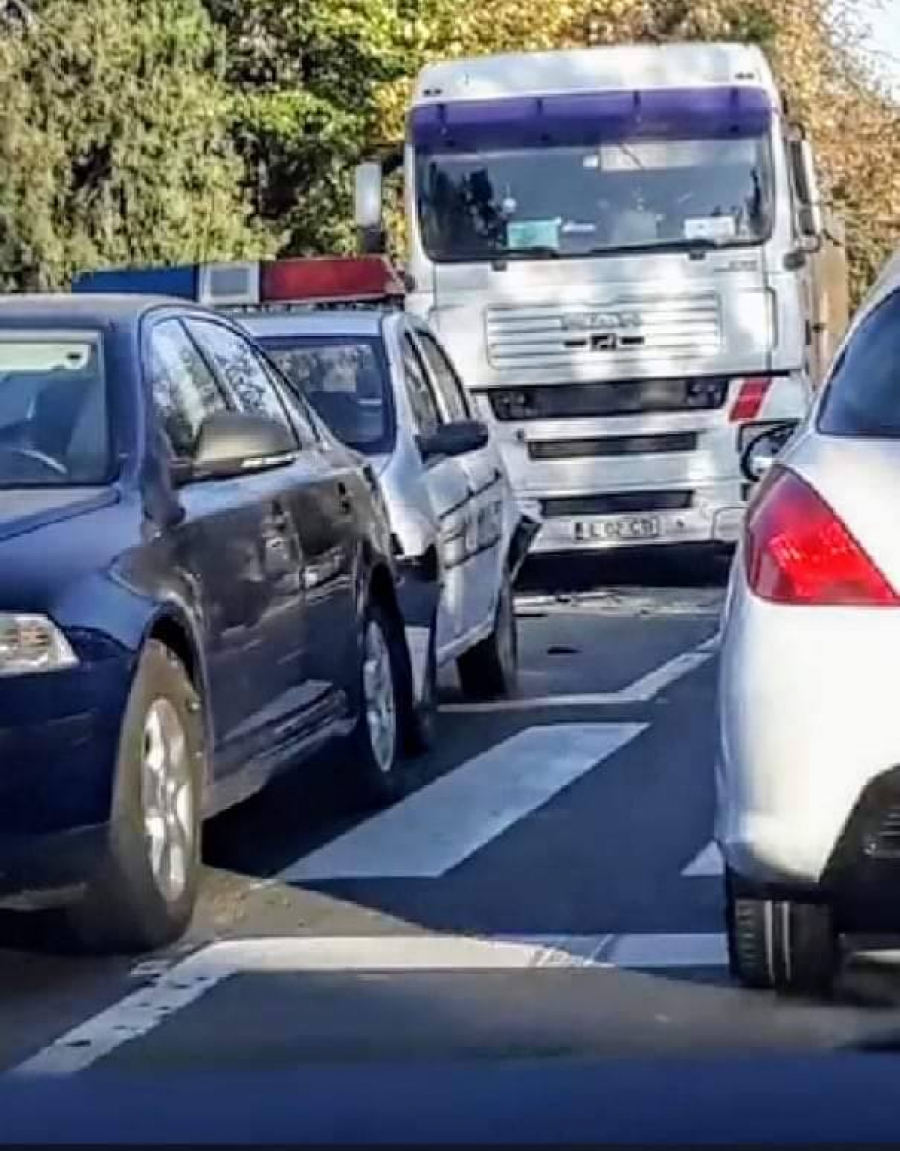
(715, 516)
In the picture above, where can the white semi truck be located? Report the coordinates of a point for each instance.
(623, 250)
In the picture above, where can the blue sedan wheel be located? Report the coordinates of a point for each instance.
(143, 895)
(167, 799)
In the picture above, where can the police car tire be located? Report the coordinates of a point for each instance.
(420, 726)
(372, 785)
(491, 668)
(122, 909)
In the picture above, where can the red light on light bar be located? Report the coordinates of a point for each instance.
(328, 280)
(750, 399)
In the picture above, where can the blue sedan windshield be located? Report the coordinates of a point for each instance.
(53, 419)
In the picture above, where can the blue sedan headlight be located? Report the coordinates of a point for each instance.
(32, 643)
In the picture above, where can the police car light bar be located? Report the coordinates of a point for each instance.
(316, 280)
(329, 280)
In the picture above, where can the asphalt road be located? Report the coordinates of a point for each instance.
(549, 888)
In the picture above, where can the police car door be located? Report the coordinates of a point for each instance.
(487, 484)
(448, 490)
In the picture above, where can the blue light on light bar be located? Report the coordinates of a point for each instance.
(182, 281)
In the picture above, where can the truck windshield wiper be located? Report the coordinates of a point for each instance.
(698, 244)
(539, 251)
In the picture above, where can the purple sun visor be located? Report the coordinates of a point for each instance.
(591, 117)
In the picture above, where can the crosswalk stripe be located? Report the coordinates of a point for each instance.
(441, 825)
(135, 1016)
(708, 863)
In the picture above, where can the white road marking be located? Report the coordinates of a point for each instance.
(642, 690)
(656, 952)
(418, 642)
(707, 863)
(530, 703)
(435, 829)
(138, 1014)
(651, 684)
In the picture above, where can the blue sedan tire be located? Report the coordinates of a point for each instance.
(144, 893)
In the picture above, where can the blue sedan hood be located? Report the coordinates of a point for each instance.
(24, 509)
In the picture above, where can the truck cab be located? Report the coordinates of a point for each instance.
(621, 248)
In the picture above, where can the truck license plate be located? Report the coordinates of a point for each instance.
(615, 528)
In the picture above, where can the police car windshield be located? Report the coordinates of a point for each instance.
(344, 378)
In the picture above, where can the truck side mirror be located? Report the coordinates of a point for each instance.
(367, 206)
(810, 216)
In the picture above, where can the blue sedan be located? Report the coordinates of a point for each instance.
(196, 592)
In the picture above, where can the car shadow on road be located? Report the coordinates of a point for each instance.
(648, 568)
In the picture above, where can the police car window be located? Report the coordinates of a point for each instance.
(241, 371)
(343, 378)
(418, 387)
(296, 407)
(455, 402)
(184, 389)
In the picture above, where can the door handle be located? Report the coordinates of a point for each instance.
(344, 498)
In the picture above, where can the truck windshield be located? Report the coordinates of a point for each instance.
(343, 378)
(559, 201)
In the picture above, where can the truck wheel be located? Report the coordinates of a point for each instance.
(491, 668)
(144, 893)
(374, 745)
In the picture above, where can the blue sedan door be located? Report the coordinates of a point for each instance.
(316, 497)
(238, 550)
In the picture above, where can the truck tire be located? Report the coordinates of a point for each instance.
(491, 668)
(144, 892)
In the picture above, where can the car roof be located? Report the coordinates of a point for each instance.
(61, 310)
(351, 322)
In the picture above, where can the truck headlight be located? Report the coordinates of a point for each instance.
(32, 643)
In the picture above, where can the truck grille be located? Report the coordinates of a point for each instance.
(624, 398)
(570, 335)
(612, 446)
(614, 503)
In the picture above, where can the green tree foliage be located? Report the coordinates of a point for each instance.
(114, 140)
(320, 83)
(156, 130)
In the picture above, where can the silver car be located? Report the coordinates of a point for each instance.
(809, 776)
(384, 384)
